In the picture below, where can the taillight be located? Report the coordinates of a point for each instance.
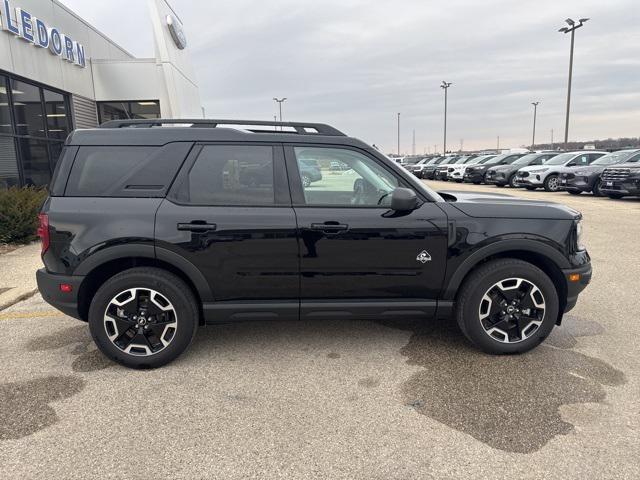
(43, 230)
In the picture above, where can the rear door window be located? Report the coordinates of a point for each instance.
(230, 175)
(125, 171)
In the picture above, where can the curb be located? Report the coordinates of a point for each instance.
(15, 295)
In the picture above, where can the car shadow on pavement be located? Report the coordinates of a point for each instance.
(509, 402)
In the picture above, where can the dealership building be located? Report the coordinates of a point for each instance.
(58, 73)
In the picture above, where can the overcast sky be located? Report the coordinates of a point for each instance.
(355, 64)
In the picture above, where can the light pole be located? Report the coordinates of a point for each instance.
(570, 29)
(535, 111)
(280, 101)
(445, 86)
(398, 133)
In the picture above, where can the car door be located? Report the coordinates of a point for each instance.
(229, 216)
(357, 257)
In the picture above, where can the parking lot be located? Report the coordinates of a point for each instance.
(341, 399)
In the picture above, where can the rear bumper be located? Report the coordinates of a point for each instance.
(574, 288)
(49, 286)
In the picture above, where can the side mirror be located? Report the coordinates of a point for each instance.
(571, 164)
(403, 200)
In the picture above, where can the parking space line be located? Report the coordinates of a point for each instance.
(29, 314)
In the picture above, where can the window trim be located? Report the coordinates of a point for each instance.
(281, 193)
(297, 190)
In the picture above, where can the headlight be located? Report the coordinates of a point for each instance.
(538, 170)
(580, 235)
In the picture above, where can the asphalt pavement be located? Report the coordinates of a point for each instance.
(340, 399)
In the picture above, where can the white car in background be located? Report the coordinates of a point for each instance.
(548, 174)
(456, 171)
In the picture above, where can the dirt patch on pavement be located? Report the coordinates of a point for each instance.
(89, 358)
(6, 248)
(25, 405)
(508, 402)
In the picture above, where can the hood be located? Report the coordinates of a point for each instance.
(480, 168)
(492, 205)
(503, 168)
(588, 168)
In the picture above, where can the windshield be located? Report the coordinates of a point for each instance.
(561, 159)
(485, 159)
(615, 157)
(476, 160)
(498, 159)
(412, 161)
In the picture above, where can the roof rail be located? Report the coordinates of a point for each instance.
(299, 128)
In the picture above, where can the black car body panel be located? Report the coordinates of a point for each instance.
(289, 257)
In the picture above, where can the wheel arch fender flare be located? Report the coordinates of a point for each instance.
(499, 248)
(153, 253)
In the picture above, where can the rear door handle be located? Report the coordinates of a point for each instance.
(197, 226)
(330, 227)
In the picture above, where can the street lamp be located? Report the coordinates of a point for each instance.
(570, 29)
(398, 133)
(535, 111)
(280, 101)
(445, 86)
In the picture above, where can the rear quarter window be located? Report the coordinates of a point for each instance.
(125, 171)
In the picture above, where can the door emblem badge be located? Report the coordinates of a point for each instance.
(423, 257)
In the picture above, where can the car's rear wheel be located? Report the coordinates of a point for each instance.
(574, 192)
(507, 306)
(552, 183)
(499, 185)
(512, 181)
(143, 317)
(530, 188)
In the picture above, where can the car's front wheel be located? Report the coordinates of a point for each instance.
(143, 317)
(596, 188)
(574, 192)
(507, 306)
(512, 181)
(552, 183)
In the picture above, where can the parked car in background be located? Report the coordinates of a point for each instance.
(428, 171)
(475, 173)
(623, 179)
(417, 167)
(502, 175)
(587, 179)
(457, 166)
(547, 175)
(339, 166)
(456, 171)
(441, 171)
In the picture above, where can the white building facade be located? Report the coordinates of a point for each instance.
(58, 73)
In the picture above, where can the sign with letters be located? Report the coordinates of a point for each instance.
(24, 25)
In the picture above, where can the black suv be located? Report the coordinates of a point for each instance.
(150, 232)
(622, 180)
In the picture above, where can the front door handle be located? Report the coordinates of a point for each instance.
(197, 226)
(329, 227)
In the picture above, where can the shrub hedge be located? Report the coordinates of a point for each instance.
(19, 209)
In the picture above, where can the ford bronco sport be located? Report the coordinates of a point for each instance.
(152, 230)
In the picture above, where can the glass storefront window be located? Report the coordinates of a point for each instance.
(126, 110)
(27, 108)
(35, 162)
(9, 176)
(5, 113)
(57, 115)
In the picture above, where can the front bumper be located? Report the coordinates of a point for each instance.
(575, 287)
(621, 187)
(49, 286)
(530, 181)
(473, 177)
(455, 176)
(496, 179)
(580, 182)
(440, 175)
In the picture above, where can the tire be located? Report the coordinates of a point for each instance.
(551, 183)
(499, 185)
(512, 181)
(169, 308)
(477, 183)
(615, 196)
(474, 301)
(597, 192)
(575, 192)
(530, 188)
(306, 180)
